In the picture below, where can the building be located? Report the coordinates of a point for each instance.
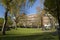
(34, 20)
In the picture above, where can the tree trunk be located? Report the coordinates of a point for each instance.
(5, 22)
(42, 22)
(51, 22)
(58, 16)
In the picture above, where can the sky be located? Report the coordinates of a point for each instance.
(2, 11)
(31, 10)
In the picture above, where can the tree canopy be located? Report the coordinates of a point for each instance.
(51, 6)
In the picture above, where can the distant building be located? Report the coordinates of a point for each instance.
(35, 19)
(32, 19)
(46, 21)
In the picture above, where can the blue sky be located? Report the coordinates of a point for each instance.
(2, 11)
(31, 10)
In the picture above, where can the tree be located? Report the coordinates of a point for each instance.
(9, 21)
(51, 19)
(6, 4)
(22, 19)
(54, 8)
(11, 6)
(39, 16)
(1, 22)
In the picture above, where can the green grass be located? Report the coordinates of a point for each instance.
(29, 34)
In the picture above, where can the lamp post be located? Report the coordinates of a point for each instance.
(58, 13)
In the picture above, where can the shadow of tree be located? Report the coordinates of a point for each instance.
(43, 36)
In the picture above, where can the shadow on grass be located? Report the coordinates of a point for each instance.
(43, 36)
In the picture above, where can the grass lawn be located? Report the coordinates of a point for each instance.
(29, 34)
